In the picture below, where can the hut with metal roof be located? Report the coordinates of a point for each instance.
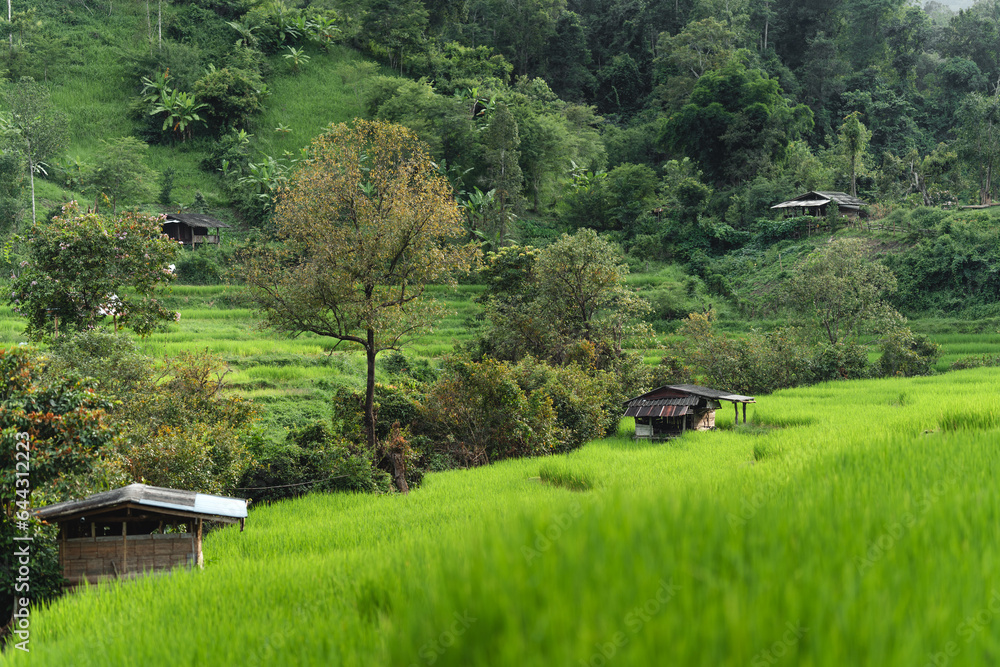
(817, 203)
(669, 411)
(127, 532)
(193, 228)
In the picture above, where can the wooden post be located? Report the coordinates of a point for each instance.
(736, 410)
(744, 413)
(199, 559)
(124, 547)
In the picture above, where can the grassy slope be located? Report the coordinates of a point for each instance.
(94, 89)
(875, 537)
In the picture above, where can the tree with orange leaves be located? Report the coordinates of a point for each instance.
(365, 225)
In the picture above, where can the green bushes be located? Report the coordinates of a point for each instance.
(203, 265)
(312, 458)
(479, 413)
(177, 427)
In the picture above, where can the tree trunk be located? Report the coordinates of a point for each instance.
(370, 392)
(395, 457)
(31, 178)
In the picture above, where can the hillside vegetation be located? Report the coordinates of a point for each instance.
(471, 498)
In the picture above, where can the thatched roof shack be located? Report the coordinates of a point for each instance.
(816, 203)
(670, 410)
(127, 532)
(193, 228)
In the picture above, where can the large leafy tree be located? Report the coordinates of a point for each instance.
(83, 270)
(840, 293)
(978, 142)
(567, 302)
(854, 138)
(737, 123)
(366, 224)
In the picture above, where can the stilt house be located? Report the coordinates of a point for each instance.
(670, 410)
(127, 532)
(818, 203)
(193, 228)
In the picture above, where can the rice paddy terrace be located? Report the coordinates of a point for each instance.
(849, 523)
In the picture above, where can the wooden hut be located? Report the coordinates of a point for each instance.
(817, 203)
(193, 228)
(127, 532)
(670, 410)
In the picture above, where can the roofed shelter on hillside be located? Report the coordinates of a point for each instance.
(817, 203)
(127, 532)
(193, 228)
(670, 410)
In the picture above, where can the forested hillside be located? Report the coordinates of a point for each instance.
(670, 126)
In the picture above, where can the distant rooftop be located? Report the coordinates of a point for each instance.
(195, 220)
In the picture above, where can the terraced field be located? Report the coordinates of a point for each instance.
(850, 523)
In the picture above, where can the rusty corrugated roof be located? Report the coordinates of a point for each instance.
(657, 410)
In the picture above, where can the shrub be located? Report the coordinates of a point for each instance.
(907, 354)
(312, 458)
(479, 413)
(582, 401)
(204, 265)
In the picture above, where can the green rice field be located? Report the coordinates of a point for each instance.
(849, 523)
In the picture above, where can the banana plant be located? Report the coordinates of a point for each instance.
(181, 111)
(297, 57)
(248, 34)
(322, 30)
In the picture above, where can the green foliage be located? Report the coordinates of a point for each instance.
(59, 458)
(231, 96)
(737, 124)
(312, 458)
(83, 269)
(206, 264)
(166, 186)
(906, 354)
(33, 127)
(841, 293)
(478, 413)
(584, 403)
(549, 303)
(121, 173)
(11, 188)
(952, 265)
(179, 428)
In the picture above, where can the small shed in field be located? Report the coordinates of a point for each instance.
(817, 203)
(127, 532)
(193, 228)
(672, 409)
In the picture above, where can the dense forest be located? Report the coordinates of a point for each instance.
(671, 126)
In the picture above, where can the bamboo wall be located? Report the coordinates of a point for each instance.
(94, 558)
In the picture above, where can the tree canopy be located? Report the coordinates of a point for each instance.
(86, 269)
(366, 224)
